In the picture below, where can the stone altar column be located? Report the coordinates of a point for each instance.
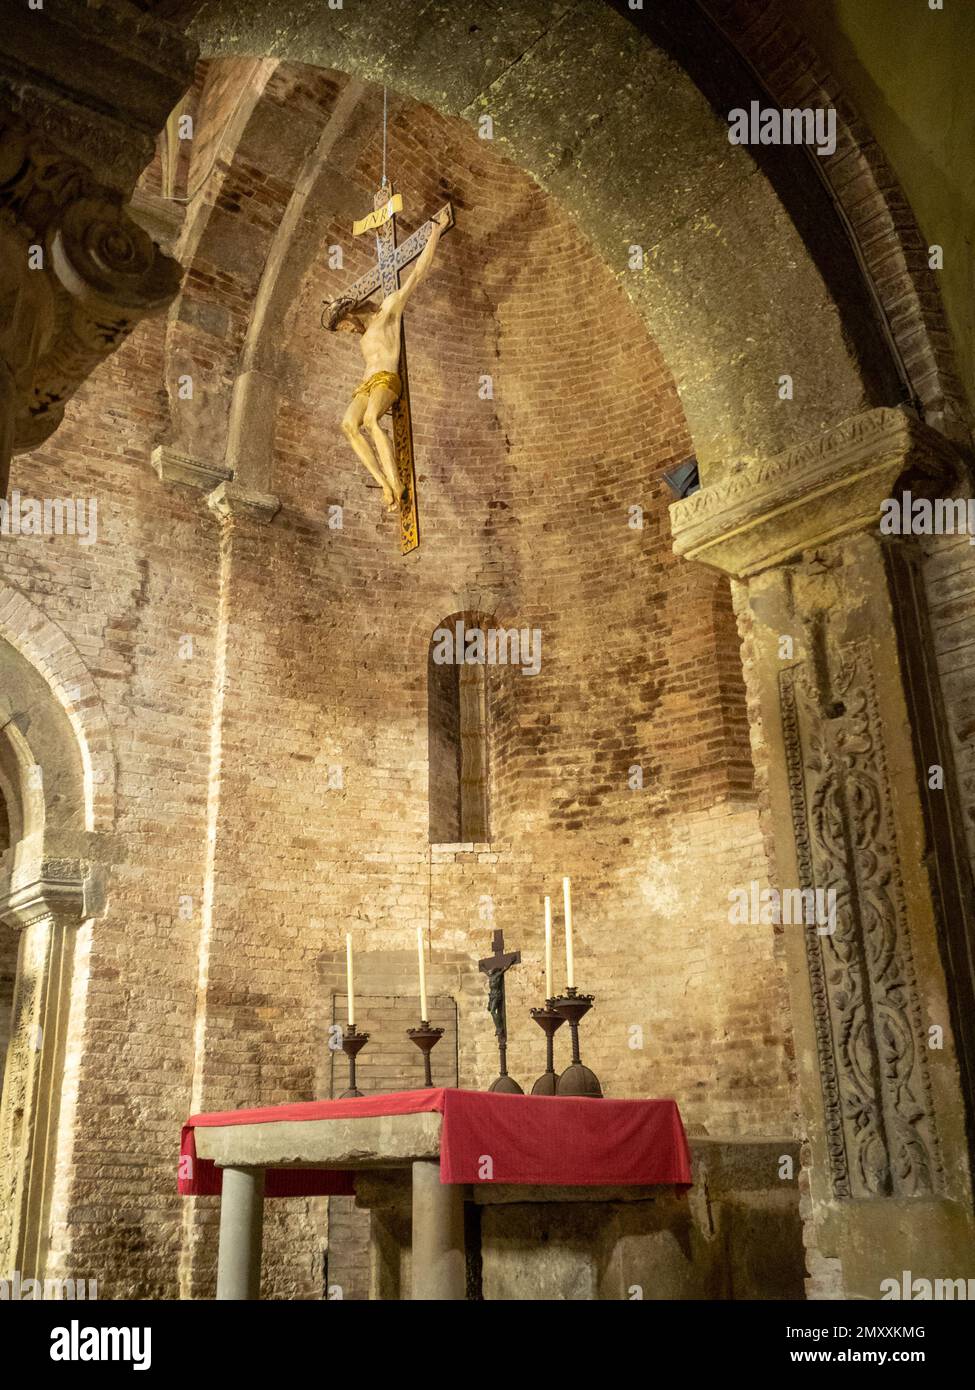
(438, 1264)
(833, 642)
(46, 914)
(241, 1234)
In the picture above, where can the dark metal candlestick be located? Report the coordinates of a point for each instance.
(549, 1022)
(352, 1044)
(576, 1080)
(426, 1039)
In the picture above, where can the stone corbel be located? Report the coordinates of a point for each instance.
(231, 501)
(108, 276)
(78, 275)
(172, 466)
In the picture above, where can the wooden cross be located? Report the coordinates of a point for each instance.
(384, 276)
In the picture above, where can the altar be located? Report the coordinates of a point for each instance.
(426, 1163)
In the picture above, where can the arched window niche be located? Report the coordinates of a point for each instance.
(459, 690)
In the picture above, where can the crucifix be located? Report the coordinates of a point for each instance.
(494, 968)
(387, 383)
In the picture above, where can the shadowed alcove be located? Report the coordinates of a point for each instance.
(459, 717)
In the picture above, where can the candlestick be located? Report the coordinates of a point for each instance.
(569, 958)
(550, 1022)
(426, 1039)
(577, 1079)
(352, 1044)
(349, 985)
(548, 948)
(423, 975)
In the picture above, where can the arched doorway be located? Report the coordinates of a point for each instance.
(41, 904)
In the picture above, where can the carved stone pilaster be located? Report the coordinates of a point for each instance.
(825, 662)
(45, 914)
(880, 1129)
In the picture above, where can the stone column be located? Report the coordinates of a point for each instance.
(386, 1194)
(241, 1234)
(836, 721)
(46, 914)
(438, 1264)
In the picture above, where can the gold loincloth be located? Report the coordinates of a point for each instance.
(388, 379)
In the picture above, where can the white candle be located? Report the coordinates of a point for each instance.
(569, 961)
(349, 986)
(423, 975)
(548, 949)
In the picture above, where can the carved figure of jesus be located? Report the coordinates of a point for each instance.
(380, 388)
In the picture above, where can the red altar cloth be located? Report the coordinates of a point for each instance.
(551, 1140)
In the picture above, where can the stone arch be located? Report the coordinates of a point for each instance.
(48, 649)
(708, 215)
(892, 251)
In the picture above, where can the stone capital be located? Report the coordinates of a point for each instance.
(77, 276)
(59, 892)
(768, 513)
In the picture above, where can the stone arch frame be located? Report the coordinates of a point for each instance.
(57, 772)
(892, 251)
(724, 365)
(513, 60)
(52, 653)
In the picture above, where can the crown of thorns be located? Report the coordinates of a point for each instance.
(336, 309)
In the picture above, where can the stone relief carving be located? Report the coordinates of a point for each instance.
(880, 1131)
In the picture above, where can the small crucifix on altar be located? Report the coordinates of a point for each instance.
(494, 967)
(386, 385)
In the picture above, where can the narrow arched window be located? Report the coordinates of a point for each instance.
(458, 718)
